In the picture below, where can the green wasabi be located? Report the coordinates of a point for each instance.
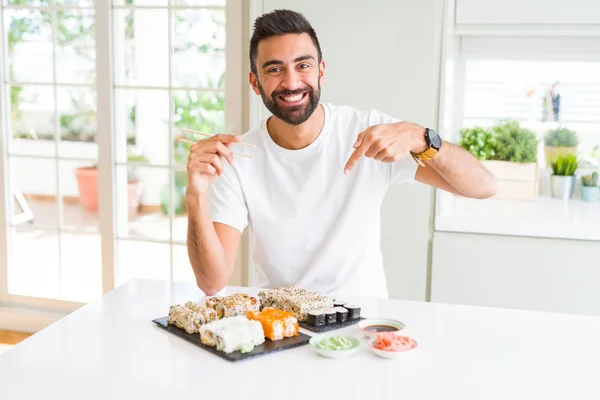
(336, 343)
(247, 348)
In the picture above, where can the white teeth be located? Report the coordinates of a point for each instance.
(293, 98)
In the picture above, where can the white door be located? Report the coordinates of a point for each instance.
(93, 95)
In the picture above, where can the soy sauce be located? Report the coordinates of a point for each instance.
(380, 328)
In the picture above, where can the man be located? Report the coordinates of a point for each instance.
(313, 190)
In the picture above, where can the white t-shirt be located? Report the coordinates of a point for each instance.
(312, 226)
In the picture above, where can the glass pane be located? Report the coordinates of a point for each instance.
(32, 120)
(81, 267)
(79, 189)
(33, 3)
(142, 126)
(199, 59)
(141, 47)
(76, 52)
(141, 2)
(182, 269)
(180, 219)
(29, 43)
(77, 118)
(141, 260)
(198, 111)
(33, 246)
(80, 3)
(200, 2)
(142, 202)
(36, 180)
(33, 264)
(558, 100)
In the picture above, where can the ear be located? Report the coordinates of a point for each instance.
(253, 82)
(322, 71)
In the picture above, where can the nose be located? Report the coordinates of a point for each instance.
(291, 80)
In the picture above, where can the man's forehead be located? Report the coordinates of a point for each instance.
(285, 48)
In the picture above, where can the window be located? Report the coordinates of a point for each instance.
(519, 111)
(167, 62)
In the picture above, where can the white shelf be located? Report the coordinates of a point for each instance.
(544, 217)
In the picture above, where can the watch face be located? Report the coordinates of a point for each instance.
(434, 139)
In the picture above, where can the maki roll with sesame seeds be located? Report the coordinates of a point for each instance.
(315, 318)
(185, 318)
(330, 316)
(353, 311)
(341, 314)
(298, 301)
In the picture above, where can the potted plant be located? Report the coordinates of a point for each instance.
(589, 187)
(563, 176)
(479, 141)
(559, 141)
(87, 182)
(509, 151)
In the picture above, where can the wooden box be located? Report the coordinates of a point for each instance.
(515, 180)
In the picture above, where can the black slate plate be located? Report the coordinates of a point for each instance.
(330, 327)
(267, 347)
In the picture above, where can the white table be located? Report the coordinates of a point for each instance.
(110, 349)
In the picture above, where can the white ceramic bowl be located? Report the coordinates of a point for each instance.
(372, 322)
(334, 353)
(391, 354)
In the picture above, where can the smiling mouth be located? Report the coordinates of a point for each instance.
(293, 99)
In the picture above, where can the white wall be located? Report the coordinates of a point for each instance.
(385, 55)
(528, 12)
(510, 271)
(515, 272)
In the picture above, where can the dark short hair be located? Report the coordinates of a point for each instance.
(280, 22)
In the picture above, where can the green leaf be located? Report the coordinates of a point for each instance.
(561, 137)
(564, 165)
(514, 143)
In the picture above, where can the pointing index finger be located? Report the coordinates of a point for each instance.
(356, 155)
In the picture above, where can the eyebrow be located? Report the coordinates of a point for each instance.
(279, 62)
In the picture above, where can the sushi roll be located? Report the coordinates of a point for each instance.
(298, 301)
(339, 303)
(330, 316)
(230, 310)
(212, 302)
(185, 318)
(341, 314)
(233, 305)
(233, 334)
(315, 318)
(207, 313)
(353, 311)
(277, 324)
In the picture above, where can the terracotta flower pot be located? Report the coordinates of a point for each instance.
(87, 181)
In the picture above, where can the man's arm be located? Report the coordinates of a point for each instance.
(457, 171)
(453, 169)
(212, 247)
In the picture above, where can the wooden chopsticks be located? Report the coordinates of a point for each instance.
(184, 140)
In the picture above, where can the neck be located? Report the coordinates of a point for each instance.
(295, 137)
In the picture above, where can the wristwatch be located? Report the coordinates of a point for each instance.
(434, 144)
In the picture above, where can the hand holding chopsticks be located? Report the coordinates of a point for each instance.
(205, 158)
(206, 135)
